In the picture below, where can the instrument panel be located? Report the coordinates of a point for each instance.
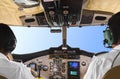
(56, 63)
(59, 68)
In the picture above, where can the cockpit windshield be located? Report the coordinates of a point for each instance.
(34, 39)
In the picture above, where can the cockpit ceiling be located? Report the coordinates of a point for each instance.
(112, 6)
(10, 11)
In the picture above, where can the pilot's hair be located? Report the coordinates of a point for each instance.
(7, 39)
(114, 25)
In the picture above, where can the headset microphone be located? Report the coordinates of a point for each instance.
(108, 38)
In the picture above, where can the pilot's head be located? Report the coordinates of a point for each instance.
(7, 39)
(114, 25)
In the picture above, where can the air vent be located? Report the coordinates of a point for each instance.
(100, 18)
(29, 20)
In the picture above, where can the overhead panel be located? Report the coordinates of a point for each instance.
(62, 12)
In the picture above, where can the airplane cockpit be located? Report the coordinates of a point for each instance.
(64, 61)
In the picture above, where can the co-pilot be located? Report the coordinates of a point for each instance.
(102, 63)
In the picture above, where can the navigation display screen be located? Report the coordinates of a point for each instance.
(73, 65)
(74, 73)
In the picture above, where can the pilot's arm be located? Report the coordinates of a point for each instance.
(25, 72)
(23, 69)
(97, 68)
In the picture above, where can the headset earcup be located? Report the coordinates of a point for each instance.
(108, 38)
(10, 44)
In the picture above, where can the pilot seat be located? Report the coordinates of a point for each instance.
(2, 77)
(113, 73)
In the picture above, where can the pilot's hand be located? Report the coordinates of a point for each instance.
(34, 73)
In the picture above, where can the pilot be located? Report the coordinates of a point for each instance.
(11, 69)
(102, 63)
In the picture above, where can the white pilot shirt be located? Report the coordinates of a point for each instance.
(14, 70)
(102, 63)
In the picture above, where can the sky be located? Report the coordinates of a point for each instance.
(34, 39)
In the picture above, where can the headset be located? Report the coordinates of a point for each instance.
(10, 43)
(108, 38)
(7, 39)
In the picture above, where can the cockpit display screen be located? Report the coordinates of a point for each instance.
(73, 70)
(74, 65)
(74, 73)
(32, 66)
